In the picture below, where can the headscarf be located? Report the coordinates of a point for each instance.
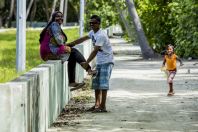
(49, 23)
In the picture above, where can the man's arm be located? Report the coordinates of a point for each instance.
(78, 41)
(93, 54)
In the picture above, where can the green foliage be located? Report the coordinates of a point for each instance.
(105, 9)
(171, 21)
(2, 2)
(154, 18)
(185, 32)
(8, 51)
(7, 55)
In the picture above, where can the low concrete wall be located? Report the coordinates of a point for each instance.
(33, 101)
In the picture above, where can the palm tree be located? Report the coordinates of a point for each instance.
(63, 9)
(33, 11)
(124, 20)
(29, 7)
(9, 18)
(46, 9)
(2, 3)
(146, 50)
(53, 7)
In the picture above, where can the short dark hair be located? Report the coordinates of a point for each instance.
(96, 17)
(170, 45)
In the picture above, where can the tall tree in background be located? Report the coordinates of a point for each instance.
(33, 11)
(46, 9)
(29, 7)
(53, 8)
(9, 18)
(2, 3)
(124, 20)
(105, 9)
(146, 50)
(63, 8)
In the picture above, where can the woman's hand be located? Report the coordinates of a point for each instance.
(67, 49)
(72, 44)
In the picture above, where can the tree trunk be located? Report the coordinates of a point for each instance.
(1, 22)
(124, 21)
(33, 12)
(9, 18)
(146, 50)
(65, 12)
(53, 8)
(61, 7)
(46, 9)
(2, 4)
(29, 7)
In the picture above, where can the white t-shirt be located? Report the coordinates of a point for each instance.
(100, 38)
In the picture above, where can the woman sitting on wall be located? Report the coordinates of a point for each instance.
(53, 47)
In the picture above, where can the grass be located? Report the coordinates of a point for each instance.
(8, 51)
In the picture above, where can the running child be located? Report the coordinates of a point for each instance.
(170, 61)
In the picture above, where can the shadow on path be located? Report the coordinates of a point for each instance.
(138, 101)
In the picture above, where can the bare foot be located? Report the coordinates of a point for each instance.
(84, 65)
(170, 93)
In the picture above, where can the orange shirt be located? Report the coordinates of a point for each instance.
(171, 62)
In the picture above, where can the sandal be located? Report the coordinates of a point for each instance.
(91, 109)
(99, 110)
(76, 84)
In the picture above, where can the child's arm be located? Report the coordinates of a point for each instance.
(180, 61)
(164, 62)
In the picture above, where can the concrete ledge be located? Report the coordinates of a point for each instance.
(31, 102)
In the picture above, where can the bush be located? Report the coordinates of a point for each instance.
(171, 21)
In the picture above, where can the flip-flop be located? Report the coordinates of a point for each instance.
(98, 110)
(91, 109)
(77, 86)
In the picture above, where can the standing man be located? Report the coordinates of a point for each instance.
(104, 62)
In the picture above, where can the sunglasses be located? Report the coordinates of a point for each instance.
(59, 16)
(93, 23)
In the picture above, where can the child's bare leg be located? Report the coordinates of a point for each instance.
(170, 82)
(170, 87)
(171, 91)
(103, 102)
